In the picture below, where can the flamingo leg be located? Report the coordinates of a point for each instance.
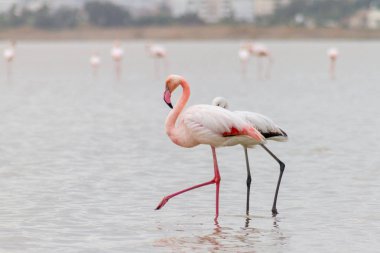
(269, 67)
(215, 180)
(259, 68)
(332, 69)
(249, 180)
(282, 168)
(217, 183)
(166, 65)
(118, 70)
(243, 68)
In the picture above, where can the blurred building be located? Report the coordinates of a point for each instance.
(373, 18)
(368, 18)
(213, 11)
(268, 7)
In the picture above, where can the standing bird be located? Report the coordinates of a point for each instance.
(117, 55)
(157, 52)
(95, 63)
(9, 55)
(243, 57)
(262, 53)
(332, 53)
(270, 131)
(204, 124)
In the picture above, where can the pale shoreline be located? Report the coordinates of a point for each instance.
(217, 32)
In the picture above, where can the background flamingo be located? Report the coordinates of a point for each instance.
(243, 57)
(9, 55)
(158, 53)
(117, 55)
(332, 53)
(263, 55)
(204, 124)
(95, 63)
(270, 131)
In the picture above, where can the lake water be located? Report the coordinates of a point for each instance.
(84, 161)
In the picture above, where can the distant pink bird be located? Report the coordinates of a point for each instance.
(333, 54)
(158, 53)
(270, 131)
(9, 55)
(204, 124)
(262, 52)
(117, 55)
(244, 58)
(95, 63)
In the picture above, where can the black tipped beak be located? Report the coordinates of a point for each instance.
(167, 96)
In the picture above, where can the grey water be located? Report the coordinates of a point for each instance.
(84, 161)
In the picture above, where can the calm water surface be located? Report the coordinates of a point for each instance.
(84, 162)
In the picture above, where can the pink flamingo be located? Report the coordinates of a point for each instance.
(157, 52)
(204, 124)
(244, 57)
(117, 55)
(95, 63)
(262, 52)
(270, 131)
(332, 53)
(9, 55)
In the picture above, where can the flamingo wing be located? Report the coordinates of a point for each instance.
(264, 125)
(214, 125)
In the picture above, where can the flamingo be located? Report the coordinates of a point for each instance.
(204, 124)
(117, 55)
(9, 55)
(332, 53)
(262, 52)
(95, 62)
(270, 131)
(157, 52)
(244, 57)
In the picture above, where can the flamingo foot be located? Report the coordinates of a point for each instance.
(162, 203)
(274, 212)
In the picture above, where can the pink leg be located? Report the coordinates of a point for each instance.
(118, 70)
(217, 183)
(332, 69)
(243, 68)
(215, 180)
(156, 68)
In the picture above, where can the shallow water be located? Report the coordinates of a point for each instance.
(84, 161)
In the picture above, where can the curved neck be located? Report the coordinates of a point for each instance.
(173, 115)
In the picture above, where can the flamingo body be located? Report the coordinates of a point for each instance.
(95, 61)
(260, 50)
(117, 53)
(264, 125)
(9, 54)
(215, 126)
(157, 51)
(243, 54)
(333, 53)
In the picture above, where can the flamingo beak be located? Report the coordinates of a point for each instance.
(167, 96)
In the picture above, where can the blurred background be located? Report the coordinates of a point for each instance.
(228, 19)
(84, 157)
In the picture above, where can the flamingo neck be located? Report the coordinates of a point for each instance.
(171, 129)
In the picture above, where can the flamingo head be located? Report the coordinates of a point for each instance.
(221, 102)
(172, 82)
